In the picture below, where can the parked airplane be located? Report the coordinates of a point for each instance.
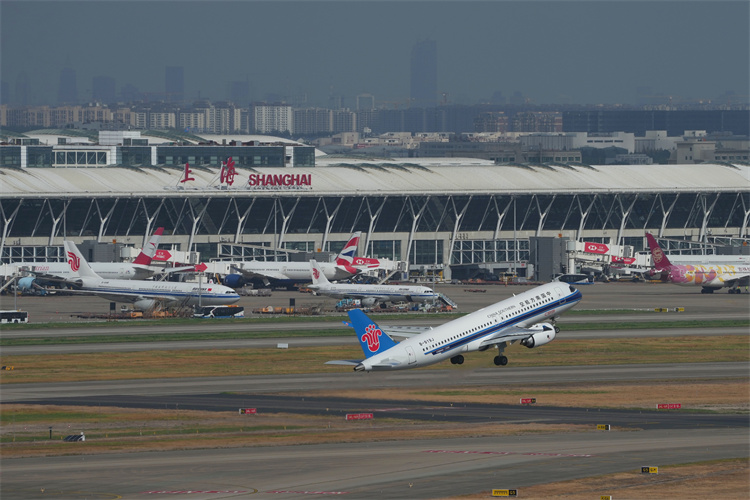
(369, 295)
(144, 295)
(710, 277)
(348, 257)
(527, 317)
(292, 273)
(58, 272)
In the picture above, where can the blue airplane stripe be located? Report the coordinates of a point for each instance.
(112, 291)
(375, 294)
(494, 328)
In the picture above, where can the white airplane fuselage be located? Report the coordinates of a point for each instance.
(473, 331)
(185, 294)
(371, 294)
(291, 272)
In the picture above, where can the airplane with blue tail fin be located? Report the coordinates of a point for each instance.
(527, 318)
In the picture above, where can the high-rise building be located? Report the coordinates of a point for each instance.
(67, 93)
(175, 84)
(423, 66)
(103, 89)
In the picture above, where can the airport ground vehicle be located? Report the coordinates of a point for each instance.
(219, 312)
(14, 316)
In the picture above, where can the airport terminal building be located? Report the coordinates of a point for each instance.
(448, 215)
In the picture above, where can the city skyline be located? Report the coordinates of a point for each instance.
(318, 52)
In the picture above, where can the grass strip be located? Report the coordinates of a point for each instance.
(256, 319)
(48, 368)
(114, 337)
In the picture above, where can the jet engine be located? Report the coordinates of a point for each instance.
(368, 302)
(144, 304)
(234, 281)
(29, 285)
(545, 335)
(26, 284)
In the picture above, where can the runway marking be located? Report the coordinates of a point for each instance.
(188, 492)
(470, 452)
(305, 492)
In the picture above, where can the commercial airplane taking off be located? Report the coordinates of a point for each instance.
(59, 272)
(709, 277)
(291, 273)
(369, 295)
(144, 295)
(527, 317)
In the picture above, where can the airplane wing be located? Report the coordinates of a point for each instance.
(510, 334)
(399, 331)
(272, 275)
(735, 279)
(404, 331)
(123, 296)
(53, 278)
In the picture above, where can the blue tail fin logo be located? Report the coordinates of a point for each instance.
(372, 339)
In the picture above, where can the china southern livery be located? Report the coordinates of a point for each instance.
(369, 295)
(709, 277)
(59, 272)
(527, 317)
(144, 295)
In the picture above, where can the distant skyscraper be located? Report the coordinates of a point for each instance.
(424, 74)
(67, 93)
(175, 84)
(104, 89)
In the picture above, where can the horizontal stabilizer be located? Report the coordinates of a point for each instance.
(345, 362)
(404, 331)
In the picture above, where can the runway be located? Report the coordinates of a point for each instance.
(389, 470)
(432, 468)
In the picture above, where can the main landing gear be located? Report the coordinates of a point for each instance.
(500, 360)
(457, 360)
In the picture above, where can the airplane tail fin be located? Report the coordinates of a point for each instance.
(78, 265)
(661, 262)
(345, 258)
(372, 339)
(149, 250)
(318, 277)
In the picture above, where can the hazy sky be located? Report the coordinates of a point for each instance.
(583, 52)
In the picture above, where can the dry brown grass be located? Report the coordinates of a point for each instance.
(728, 479)
(720, 395)
(239, 362)
(25, 431)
